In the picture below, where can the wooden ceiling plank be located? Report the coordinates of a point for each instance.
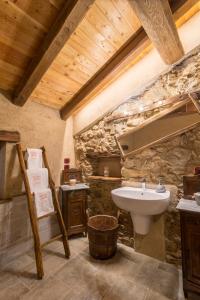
(70, 16)
(54, 105)
(98, 37)
(11, 68)
(126, 10)
(12, 56)
(10, 15)
(76, 63)
(43, 11)
(21, 41)
(100, 22)
(114, 17)
(70, 71)
(129, 52)
(142, 49)
(130, 46)
(47, 86)
(50, 94)
(157, 20)
(84, 58)
(50, 85)
(60, 79)
(183, 10)
(88, 44)
(8, 80)
(21, 16)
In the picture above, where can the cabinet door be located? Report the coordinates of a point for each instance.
(192, 247)
(77, 215)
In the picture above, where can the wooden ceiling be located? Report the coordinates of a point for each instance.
(23, 26)
(106, 27)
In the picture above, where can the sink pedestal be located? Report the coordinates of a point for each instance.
(141, 223)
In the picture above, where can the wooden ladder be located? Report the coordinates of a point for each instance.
(33, 215)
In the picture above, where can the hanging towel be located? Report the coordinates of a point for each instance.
(34, 160)
(38, 179)
(43, 202)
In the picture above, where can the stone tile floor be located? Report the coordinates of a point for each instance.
(127, 276)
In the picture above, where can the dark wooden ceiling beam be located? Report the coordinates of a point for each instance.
(68, 19)
(136, 43)
(157, 20)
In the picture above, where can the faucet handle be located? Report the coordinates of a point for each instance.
(160, 187)
(161, 179)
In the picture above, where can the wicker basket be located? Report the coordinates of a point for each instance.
(102, 234)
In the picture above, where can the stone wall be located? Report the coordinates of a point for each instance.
(100, 202)
(171, 159)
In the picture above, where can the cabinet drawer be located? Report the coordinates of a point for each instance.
(77, 196)
(192, 219)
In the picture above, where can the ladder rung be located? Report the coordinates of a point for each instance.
(52, 240)
(48, 215)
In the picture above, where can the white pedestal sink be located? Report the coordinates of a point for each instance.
(142, 204)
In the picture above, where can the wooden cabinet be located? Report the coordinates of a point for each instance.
(190, 236)
(74, 205)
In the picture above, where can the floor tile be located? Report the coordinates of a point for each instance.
(126, 276)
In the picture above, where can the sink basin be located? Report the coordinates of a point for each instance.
(142, 204)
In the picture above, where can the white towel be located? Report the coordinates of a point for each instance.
(43, 202)
(38, 179)
(34, 160)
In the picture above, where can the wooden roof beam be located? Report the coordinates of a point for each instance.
(134, 44)
(68, 19)
(157, 20)
(132, 48)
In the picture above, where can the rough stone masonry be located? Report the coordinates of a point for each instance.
(171, 159)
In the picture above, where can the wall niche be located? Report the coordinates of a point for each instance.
(110, 161)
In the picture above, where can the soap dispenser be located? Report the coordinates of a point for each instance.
(160, 187)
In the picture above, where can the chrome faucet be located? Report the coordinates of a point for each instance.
(143, 181)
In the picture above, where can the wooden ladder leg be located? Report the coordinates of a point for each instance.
(39, 263)
(32, 214)
(57, 207)
(61, 224)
